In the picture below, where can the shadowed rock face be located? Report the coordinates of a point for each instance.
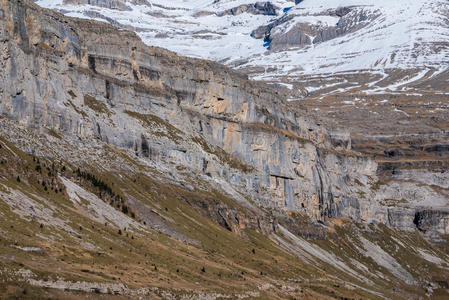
(88, 80)
(428, 220)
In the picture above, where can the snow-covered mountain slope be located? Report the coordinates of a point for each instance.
(284, 39)
(354, 35)
(199, 28)
(375, 35)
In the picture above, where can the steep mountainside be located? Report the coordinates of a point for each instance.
(376, 70)
(400, 136)
(126, 169)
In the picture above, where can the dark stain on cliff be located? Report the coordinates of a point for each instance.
(150, 74)
(91, 62)
(20, 28)
(108, 89)
(145, 147)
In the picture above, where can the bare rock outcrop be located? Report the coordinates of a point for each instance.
(258, 8)
(283, 36)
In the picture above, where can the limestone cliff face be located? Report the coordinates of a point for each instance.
(89, 80)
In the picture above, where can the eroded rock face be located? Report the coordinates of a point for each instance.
(301, 34)
(258, 8)
(88, 80)
(296, 37)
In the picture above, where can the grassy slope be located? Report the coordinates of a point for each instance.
(137, 259)
(222, 262)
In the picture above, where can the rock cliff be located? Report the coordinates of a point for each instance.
(88, 80)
